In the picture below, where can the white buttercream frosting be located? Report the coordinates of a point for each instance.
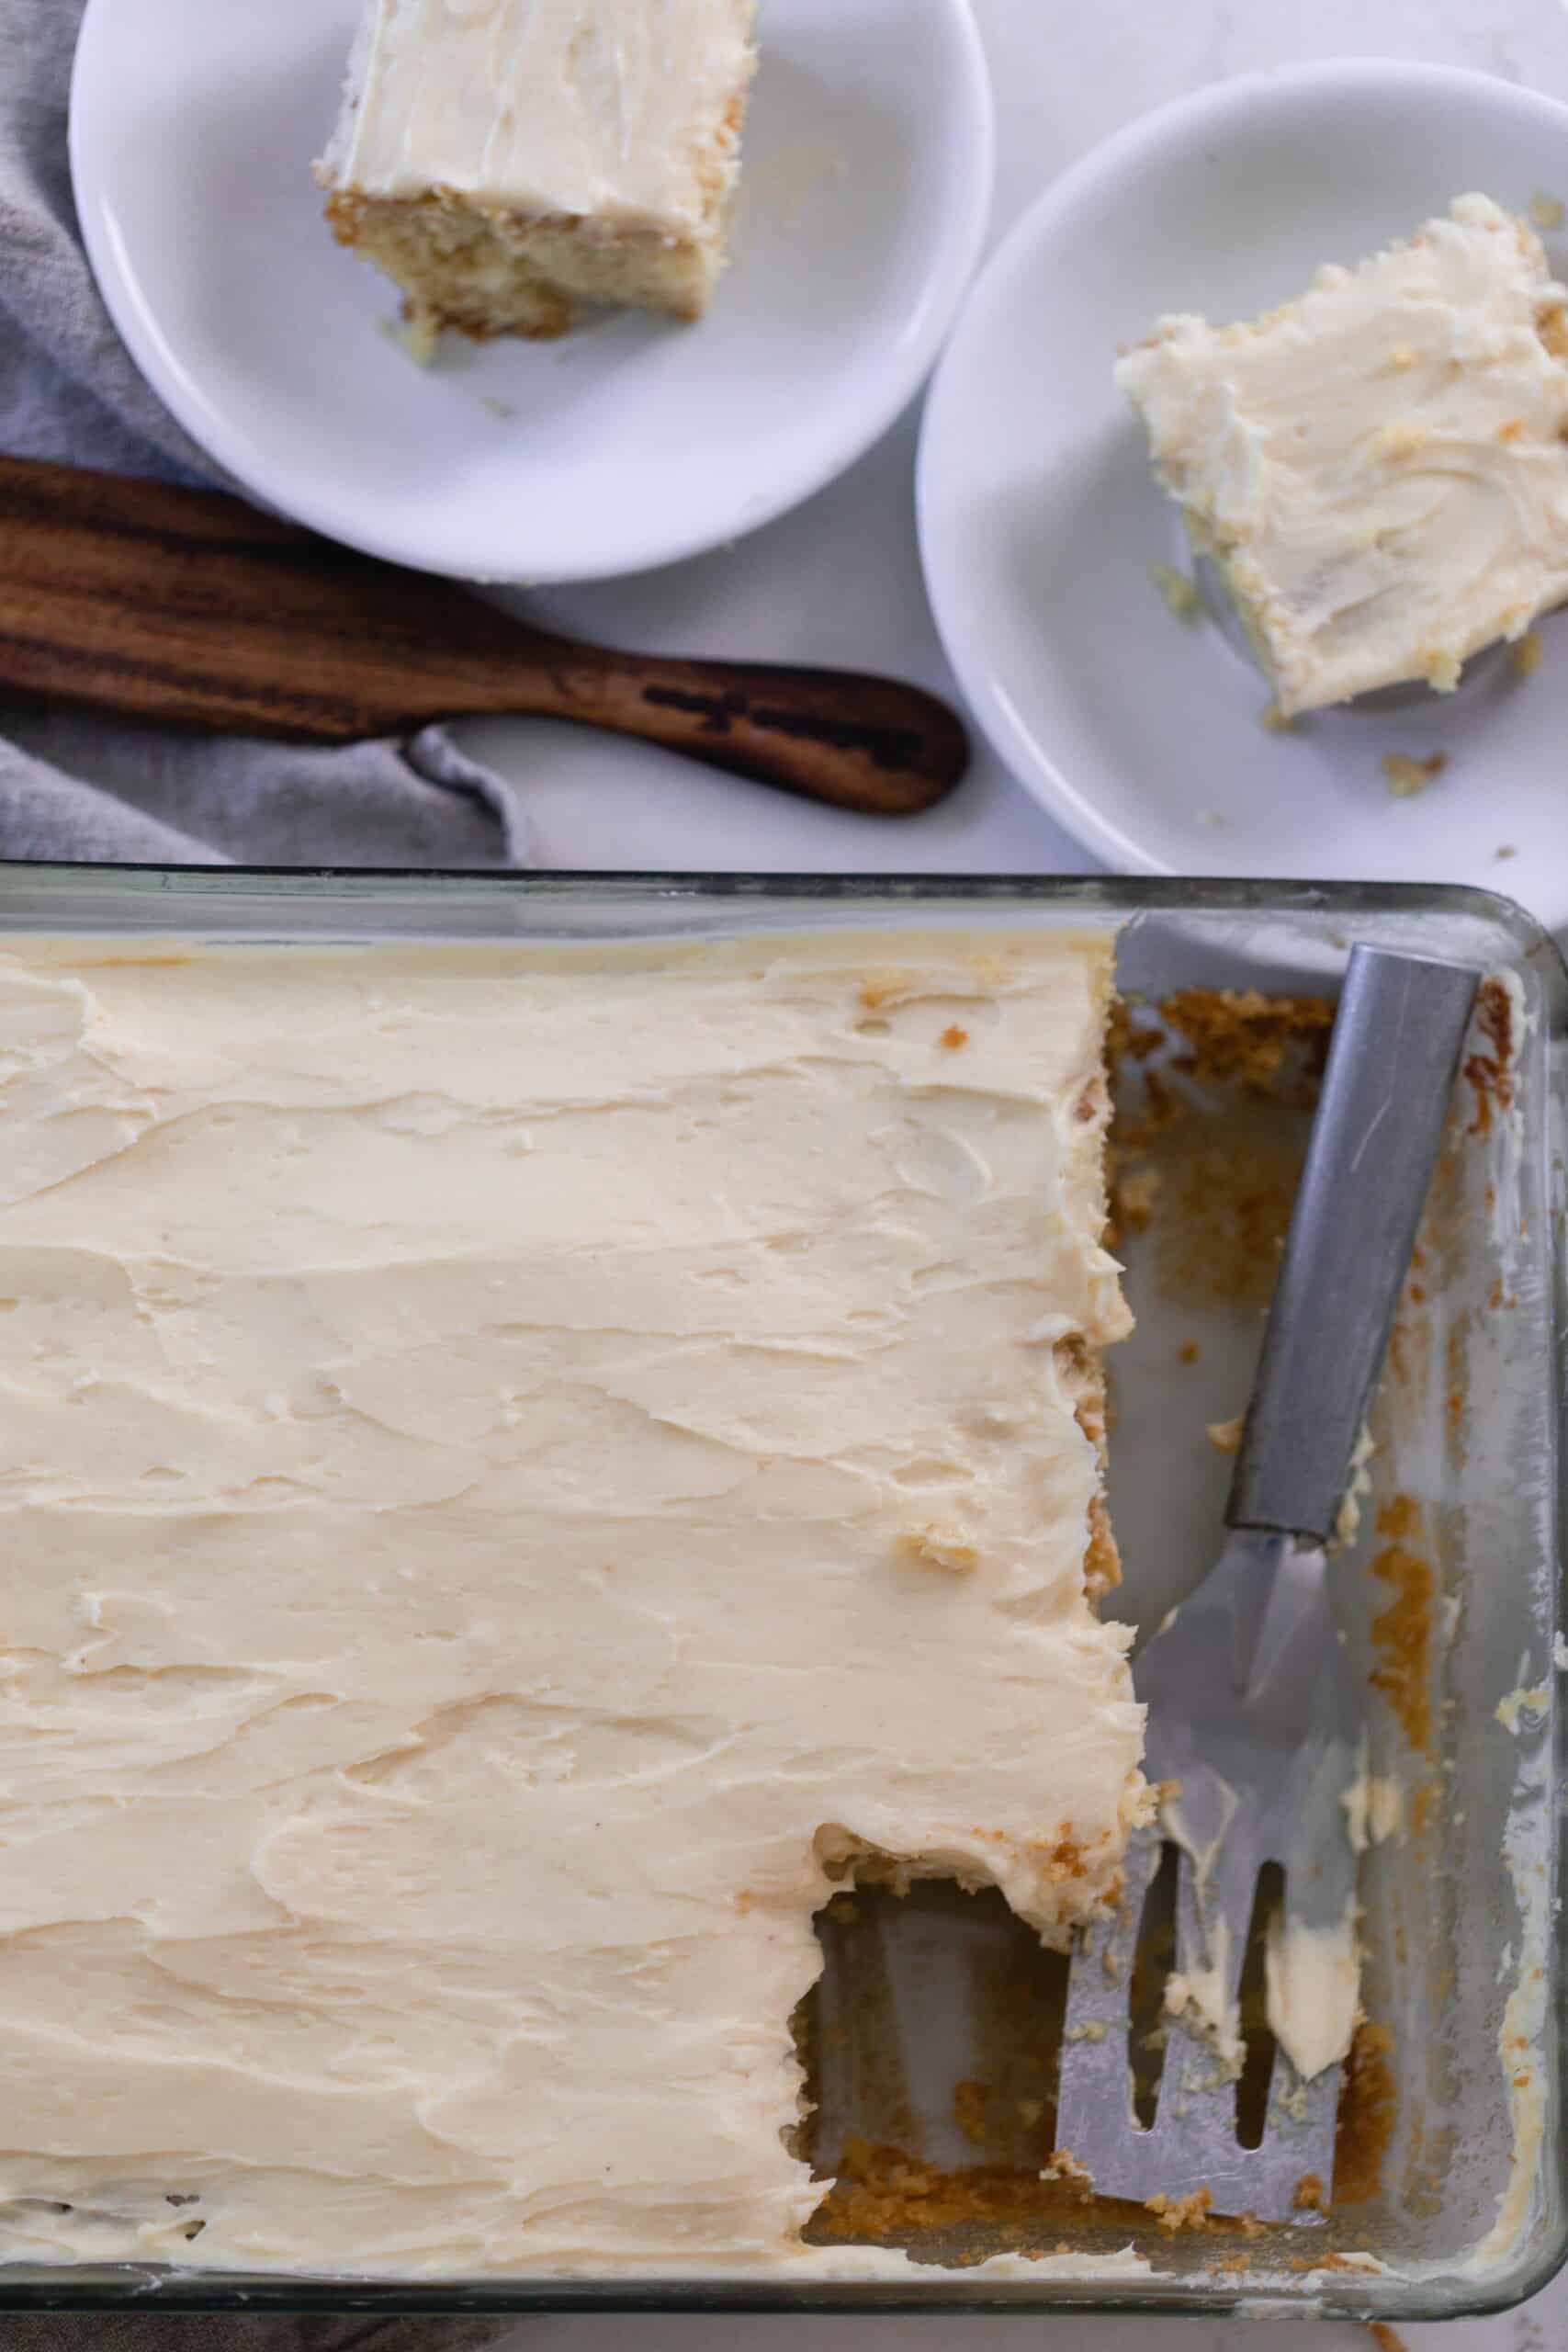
(510, 1457)
(1380, 466)
(1313, 1977)
(619, 111)
(1312, 1973)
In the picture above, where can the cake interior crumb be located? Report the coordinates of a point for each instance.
(1179, 591)
(1405, 777)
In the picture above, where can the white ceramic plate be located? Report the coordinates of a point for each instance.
(1041, 524)
(868, 170)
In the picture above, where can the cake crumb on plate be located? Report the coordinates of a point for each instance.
(1405, 777)
(1179, 590)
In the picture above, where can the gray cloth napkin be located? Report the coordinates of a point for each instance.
(75, 787)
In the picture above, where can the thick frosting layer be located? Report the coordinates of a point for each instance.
(1379, 466)
(511, 1460)
(621, 111)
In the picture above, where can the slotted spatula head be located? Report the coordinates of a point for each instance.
(1254, 1735)
(1257, 1720)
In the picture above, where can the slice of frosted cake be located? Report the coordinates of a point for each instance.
(506, 161)
(1378, 467)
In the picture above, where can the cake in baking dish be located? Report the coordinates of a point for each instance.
(523, 1469)
(506, 161)
(1378, 467)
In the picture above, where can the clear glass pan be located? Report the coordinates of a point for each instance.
(1451, 1920)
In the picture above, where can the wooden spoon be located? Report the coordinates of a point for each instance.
(190, 608)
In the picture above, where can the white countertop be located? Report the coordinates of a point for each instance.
(839, 582)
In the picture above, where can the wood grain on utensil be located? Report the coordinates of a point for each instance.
(190, 608)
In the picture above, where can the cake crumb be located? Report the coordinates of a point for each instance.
(1546, 212)
(1135, 1197)
(1405, 777)
(415, 338)
(1505, 850)
(970, 2100)
(1490, 1073)
(1064, 2165)
(953, 1037)
(1188, 1352)
(936, 1547)
(1401, 1633)
(1369, 2105)
(1386, 2339)
(1179, 591)
(502, 409)
(1526, 655)
(1403, 437)
(1189, 2213)
(1226, 1436)
(1308, 2195)
(1535, 1702)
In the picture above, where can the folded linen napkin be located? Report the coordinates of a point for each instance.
(79, 788)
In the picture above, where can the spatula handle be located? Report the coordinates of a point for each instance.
(1397, 1040)
(189, 608)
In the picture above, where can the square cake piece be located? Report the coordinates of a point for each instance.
(505, 161)
(1379, 466)
(525, 1468)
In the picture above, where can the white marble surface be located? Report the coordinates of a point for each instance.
(840, 581)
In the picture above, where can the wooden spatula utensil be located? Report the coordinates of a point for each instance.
(190, 608)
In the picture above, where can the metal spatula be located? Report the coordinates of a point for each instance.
(1252, 1706)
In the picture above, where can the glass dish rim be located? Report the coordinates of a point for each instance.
(1354, 2296)
(1153, 892)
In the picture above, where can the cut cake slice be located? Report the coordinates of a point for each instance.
(507, 160)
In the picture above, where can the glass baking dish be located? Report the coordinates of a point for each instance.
(1469, 2209)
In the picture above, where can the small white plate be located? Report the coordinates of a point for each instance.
(1041, 524)
(194, 124)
